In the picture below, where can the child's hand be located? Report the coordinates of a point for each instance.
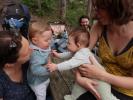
(56, 54)
(52, 67)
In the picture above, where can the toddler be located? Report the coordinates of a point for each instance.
(38, 75)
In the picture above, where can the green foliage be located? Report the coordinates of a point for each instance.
(47, 6)
(74, 11)
(50, 8)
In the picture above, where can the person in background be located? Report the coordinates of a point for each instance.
(85, 22)
(60, 36)
(114, 30)
(14, 54)
(37, 75)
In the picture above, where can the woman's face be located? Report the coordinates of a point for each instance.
(103, 16)
(25, 51)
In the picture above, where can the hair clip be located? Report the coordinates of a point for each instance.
(12, 44)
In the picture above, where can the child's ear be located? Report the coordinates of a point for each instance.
(34, 40)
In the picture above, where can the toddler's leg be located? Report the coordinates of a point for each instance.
(40, 90)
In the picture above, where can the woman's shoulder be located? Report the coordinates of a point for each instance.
(97, 29)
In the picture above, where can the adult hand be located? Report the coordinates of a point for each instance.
(88, 84)
(93, 70)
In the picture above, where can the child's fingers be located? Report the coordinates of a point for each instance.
(54, 51)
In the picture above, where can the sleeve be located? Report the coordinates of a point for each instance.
(37, 65)
(66, 55)
(77, 60)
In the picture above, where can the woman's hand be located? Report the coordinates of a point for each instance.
(88, 84)
(93, 70)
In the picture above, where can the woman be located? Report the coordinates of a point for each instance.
(14, 53)
(114, 30)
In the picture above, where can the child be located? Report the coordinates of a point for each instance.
(78, 43)
(38, 75)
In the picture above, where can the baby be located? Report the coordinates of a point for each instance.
(38, 75)
(78, 42)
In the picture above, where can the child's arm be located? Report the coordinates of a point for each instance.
(78, 59)
(64, 55)
(52, 67)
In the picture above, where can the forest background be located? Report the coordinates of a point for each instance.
(64, 10)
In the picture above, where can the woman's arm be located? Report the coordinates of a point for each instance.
(93, 71)
(95, 33)
(88, 84)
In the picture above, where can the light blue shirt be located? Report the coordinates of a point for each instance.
(37, 71)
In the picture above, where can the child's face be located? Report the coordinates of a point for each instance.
(44, 40)
(71, 45)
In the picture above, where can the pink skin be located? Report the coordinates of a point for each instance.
(43, 40)
(103, 16)
(84, 22)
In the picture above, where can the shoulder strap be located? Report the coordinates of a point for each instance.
(26, 11)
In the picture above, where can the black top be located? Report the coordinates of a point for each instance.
(10, 90)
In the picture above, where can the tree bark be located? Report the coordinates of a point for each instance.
(63, 4)
(39, 5)
(89, 11)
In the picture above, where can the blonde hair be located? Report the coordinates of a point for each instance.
(37, 28)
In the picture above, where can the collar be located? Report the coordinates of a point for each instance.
(34, 47)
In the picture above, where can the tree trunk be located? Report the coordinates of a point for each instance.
(89, 11)
(39, 5)
(63, 4)
(89, 8)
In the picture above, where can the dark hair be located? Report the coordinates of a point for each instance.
(83, 16)
(121, 11)
(10, 45)
(80, 36)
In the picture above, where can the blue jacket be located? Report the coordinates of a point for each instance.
(59, 43)
(37, 71)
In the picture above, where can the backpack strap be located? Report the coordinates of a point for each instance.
(26, 11)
